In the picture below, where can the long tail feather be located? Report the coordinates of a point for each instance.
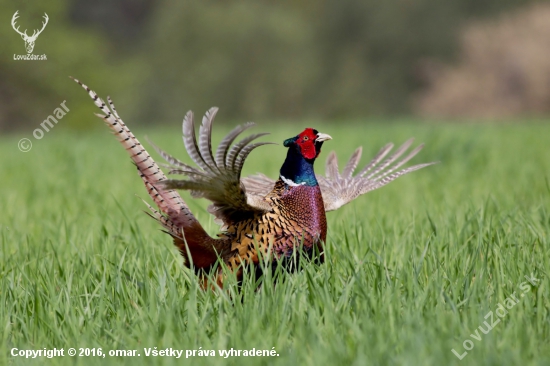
(178, 216)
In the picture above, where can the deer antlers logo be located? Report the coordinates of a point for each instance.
(29, 41)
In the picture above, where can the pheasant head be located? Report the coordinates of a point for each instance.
(302, 152)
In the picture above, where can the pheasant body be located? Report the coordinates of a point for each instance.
(297, 218)
(260, 218)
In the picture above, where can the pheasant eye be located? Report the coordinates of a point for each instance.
(306, 138)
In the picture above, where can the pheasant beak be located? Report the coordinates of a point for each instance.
(322, 137)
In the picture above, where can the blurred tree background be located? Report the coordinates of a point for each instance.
(278, 60)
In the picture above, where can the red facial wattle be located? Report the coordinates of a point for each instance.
(306, 141)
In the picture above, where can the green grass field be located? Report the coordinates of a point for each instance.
(412, 269)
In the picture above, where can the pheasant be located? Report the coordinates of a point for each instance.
(259, 217)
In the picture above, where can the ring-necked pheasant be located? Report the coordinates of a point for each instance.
(256, 213)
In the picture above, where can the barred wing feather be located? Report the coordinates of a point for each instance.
(216, 177)
(339, 190)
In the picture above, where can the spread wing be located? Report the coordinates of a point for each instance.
(216, 178)
(339, 189)
(258, 184)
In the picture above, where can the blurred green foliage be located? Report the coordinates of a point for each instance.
(31, 90)
(253, 59)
